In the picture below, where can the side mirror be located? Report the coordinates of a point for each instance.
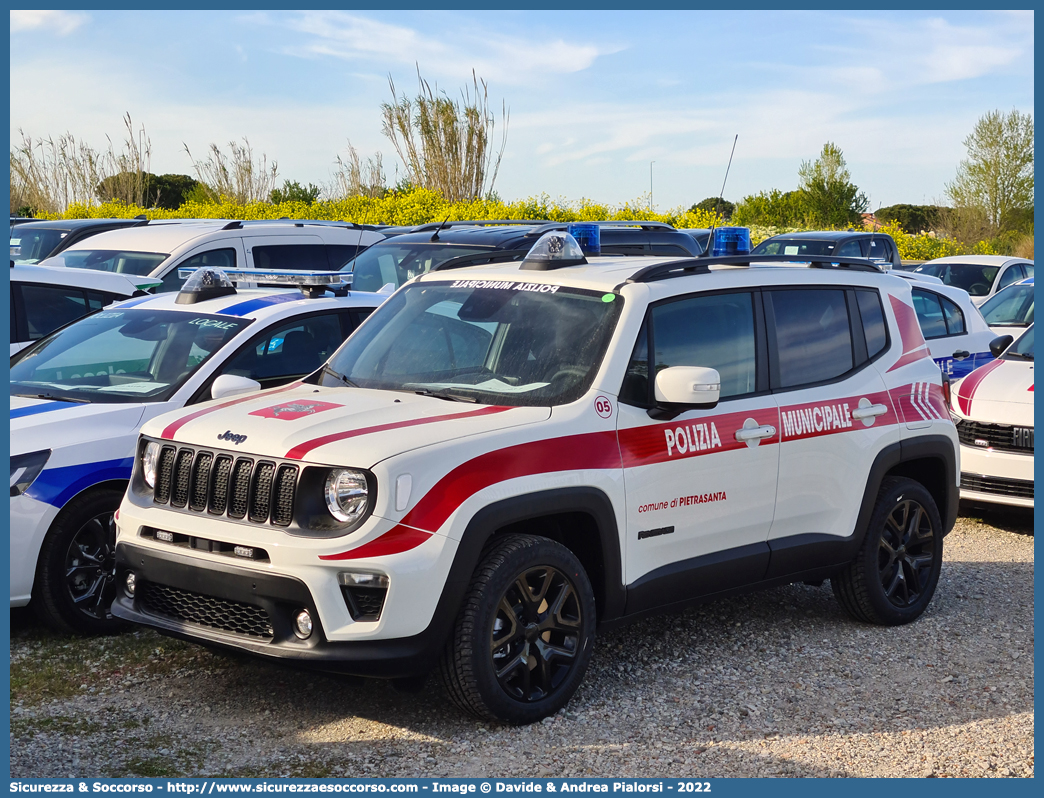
(231, 385)
(690, 386)
(999, 344)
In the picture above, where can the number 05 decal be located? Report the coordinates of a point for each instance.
(603, 406)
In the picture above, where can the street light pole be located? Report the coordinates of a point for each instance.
(650, 186)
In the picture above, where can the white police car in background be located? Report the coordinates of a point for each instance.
(993, 410)
(44, 298)
(958, 337)
(164, 250)
(79, 396)
(505, 457)
(981, 276)
(1010, 311)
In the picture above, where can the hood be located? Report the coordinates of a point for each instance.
(1000, 392)
(334, 426)
(47, 424)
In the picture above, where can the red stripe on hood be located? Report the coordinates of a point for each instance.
(172, 428)
(969, 384)
(299, 451)
(597, 450)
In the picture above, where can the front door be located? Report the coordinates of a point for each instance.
(700, 486)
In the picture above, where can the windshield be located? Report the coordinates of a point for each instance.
(504, 343)
(32, 246)
(122, 355)
(396, 263)
(1022, 349)
(1013, 307)
(108, 260)
(976, 280)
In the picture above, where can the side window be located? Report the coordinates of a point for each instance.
(954, 317)
(812, 334)
(99, 299)
(635, 389)
(288, 350)
(1011, 275)
(874, 330)
(1029, 269)
(292, 257)
(715, 331)
(879, 250)
(48, 307)
(929, 314)
(218, 258)
(852, 249)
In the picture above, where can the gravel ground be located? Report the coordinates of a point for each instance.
(779, 683)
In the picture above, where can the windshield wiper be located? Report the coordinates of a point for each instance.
(57, 398)
(449, 397)
(1024, 355)
(338, 375)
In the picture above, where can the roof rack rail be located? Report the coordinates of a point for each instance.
(683, 268)
(236, 225)
(645, 225)
(423, 228)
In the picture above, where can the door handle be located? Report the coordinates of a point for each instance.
(870, 411)
(745, 434)
(960, 354)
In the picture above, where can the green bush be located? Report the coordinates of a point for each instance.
(911, 217)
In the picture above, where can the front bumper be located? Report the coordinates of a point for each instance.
(243, 601)
(996, 477)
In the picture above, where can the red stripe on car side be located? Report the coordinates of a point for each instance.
(172, 428)
(911, 357)
(970, 383)
(299, 451)
(595, 450)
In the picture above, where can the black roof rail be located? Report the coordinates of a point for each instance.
(683, 268)
(423, 228)
(547, 228)
(236, 225)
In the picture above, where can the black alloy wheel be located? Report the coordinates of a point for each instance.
(76, 572)
(906, 554)
(893, 577)
(536, 634)
(524, 634)
(90, 567)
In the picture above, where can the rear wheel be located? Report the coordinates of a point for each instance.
(523, 638)
(894, 576)
(75, 575)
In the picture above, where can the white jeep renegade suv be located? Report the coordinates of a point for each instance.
(504, 459)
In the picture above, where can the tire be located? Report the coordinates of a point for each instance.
(894, 576)
(75, 575)
(512, 657)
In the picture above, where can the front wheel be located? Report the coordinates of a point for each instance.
(894, 576)
(523, 638)
(75, 575)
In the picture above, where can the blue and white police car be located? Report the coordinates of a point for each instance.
(80, 395)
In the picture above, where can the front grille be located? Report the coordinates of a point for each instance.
(1004, 437)
(218, 484)
(1016, 488)
(214, 613)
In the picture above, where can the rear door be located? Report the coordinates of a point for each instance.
(835, 414)
(956, 349)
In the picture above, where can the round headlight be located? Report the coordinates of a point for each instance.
(346, 494)
(149, 461)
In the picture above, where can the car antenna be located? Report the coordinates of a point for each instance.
(435, 235)
(710, 238)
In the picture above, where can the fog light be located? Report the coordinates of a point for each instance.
(246, 551)
(361, 579)
(303, 624)
(130, 583)
(166, 537)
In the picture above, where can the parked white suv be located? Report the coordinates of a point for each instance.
(505, 458)
(162, 250)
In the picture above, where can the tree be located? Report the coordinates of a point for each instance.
(997, 176)
(773, 208)
(829, 197)
(157, 191)
(292, 191)
(446, 145)
(912, 218)
(725, 208)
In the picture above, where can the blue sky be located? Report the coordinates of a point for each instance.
(593, 97)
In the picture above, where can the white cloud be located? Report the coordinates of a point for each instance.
(60, 22)
(495, 57)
